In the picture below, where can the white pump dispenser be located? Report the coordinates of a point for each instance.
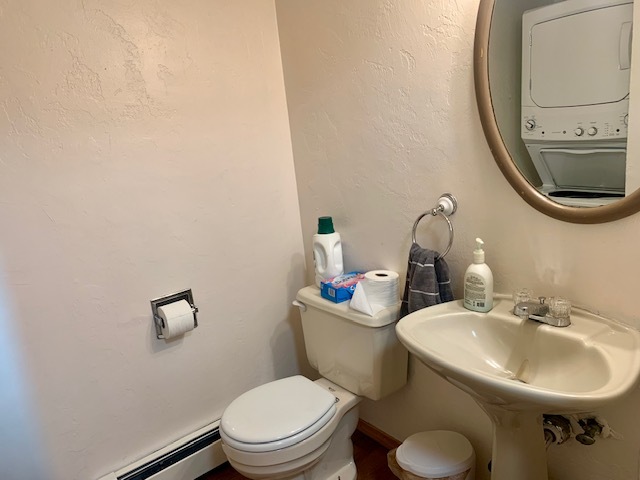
(478, 282)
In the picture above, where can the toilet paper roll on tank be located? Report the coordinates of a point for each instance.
(177, 319)
(378, 290)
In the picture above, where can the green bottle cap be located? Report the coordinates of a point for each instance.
(325, 225)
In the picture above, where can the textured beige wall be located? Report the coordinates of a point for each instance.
(383, 120)
(144, 149)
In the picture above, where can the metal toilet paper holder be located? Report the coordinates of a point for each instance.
(175, 297)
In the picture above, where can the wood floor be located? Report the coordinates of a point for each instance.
(369, 455)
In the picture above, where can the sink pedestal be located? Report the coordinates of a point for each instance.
(519, 450)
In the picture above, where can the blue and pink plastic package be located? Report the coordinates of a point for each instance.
(340, 288)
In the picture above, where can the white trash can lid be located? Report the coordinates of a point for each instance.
(436, 454)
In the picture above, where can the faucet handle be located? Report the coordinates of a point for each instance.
(560, 307)
(522, 295)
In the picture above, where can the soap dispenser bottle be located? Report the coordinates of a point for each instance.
(478, 282)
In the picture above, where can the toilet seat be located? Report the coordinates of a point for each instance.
(277, 415)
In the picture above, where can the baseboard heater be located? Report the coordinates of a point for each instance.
(189, 457)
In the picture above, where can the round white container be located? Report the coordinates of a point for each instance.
(438, 454)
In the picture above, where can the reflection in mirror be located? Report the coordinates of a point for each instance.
(559, 79)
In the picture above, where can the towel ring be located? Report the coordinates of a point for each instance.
(447, 205)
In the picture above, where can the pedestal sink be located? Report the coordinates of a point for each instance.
(518, 370)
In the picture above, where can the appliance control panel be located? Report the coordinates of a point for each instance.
(570, 124)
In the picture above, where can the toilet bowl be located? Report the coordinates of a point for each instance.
(295, 428)
(303, 433)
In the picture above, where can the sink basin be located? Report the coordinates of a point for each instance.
(524, 364)
(519, 369)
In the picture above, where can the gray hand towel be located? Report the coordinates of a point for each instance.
(428, 281)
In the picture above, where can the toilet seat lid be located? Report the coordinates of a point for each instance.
(277, 410)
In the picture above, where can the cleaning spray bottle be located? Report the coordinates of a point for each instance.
(327, 251)
(478, 282)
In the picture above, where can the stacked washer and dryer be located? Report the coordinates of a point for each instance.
(576, 59)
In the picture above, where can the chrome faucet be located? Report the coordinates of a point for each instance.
(540, 312)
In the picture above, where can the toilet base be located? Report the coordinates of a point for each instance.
(337, 463)
(348, 472)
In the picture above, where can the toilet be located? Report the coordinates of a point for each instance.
(295, 428)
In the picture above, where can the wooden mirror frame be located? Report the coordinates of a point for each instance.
(608, 213)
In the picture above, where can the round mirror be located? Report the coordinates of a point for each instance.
(552, 86)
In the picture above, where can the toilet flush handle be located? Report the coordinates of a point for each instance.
(300, 305)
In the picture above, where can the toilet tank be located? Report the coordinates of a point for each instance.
(356, 351)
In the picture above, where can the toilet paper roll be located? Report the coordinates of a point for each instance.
(178, 318)
(382, 287)
(378, 290)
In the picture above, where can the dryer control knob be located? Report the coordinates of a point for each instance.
(530, 124)
(579, 131)
(626, 119)
(592, 131)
